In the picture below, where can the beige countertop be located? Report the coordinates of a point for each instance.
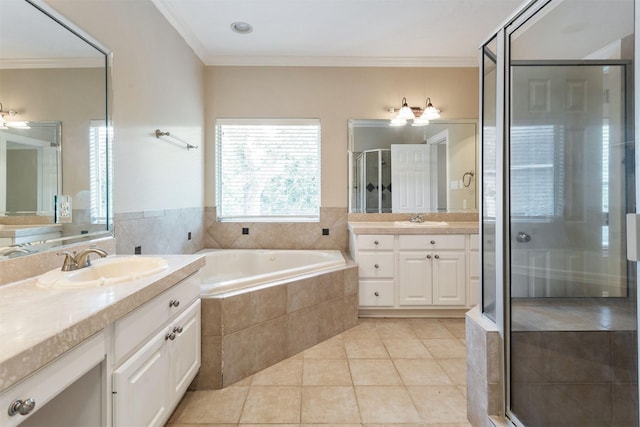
(390, 227)
(38, 324)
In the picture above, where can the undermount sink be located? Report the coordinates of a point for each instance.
(103, 272)
(421, 224)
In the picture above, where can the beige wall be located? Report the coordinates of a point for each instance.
(334, 95)
(158, 82)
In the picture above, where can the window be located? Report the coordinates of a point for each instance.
(99, 162)
(268, 170)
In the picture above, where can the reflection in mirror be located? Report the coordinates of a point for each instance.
(412, 169)
(53, 77)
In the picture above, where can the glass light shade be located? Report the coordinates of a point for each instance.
(405, 112)
(420, 121)
(431, 112)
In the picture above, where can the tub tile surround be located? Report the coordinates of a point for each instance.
(160, 231)
(246, 332)
(270, 235)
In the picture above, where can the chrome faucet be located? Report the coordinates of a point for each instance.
(74, 261)
(416, 218)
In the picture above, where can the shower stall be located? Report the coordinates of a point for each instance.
(558, 180)
(372, 181)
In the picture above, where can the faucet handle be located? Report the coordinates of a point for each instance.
(69, 263)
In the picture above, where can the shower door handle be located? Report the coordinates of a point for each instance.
(523, 237)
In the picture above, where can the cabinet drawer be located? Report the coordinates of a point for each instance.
(474, 242)
(375, 264)
(376, 294)
(372, 242)
(135, 327)
(425, 241)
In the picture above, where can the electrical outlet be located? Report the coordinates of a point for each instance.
(325, 231)
(245, 230)
(189, 236)
(137, 250)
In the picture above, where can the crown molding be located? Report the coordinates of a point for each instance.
(26, 63)
(342, 61)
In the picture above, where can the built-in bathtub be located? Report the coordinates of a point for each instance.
(262, 306)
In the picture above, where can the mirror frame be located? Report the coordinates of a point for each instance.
(350, 162)
(41, 7)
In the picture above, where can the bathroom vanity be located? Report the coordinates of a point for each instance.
(120, 355)
(416, 269)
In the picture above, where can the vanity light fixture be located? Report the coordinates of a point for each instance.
(416, 115)
(5, 124)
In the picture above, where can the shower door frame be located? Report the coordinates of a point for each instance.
(502, 221)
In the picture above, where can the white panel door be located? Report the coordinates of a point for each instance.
(185, 349)
(410, 178)
(449, 278)
(415, 278)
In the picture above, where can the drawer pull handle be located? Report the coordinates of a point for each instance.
(178, 329)
(376, 294)
(433, 242)
(428, 256)
(22, 407)
(376, 266)
(436, 256)
(171, 336)
(174, 303)
(376, 242)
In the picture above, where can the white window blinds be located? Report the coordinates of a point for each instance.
(100, 162)
(268, 170)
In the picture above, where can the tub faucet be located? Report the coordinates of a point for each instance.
(74, 261)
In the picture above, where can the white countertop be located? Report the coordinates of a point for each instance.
(38, 325)
(389, 227)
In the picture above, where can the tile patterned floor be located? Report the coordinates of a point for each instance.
(383, 372)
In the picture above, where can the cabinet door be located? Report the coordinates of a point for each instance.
(449, 278)
(185, 350)
(415, 278)
(141, 386)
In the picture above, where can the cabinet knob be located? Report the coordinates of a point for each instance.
(178, 329)
(376, 266)
(428, 256)
(174, 303)
(377, 294)
(433, 242)
(375, 242)
(171, 336)
(22, 407)
(436, 256)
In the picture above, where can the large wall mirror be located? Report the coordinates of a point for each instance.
(55, 133)
(412, 169)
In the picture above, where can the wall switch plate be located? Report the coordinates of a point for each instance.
(137, 250)
(245, 230)
(325, 231)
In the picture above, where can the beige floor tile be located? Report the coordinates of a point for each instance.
(329, 405)
(386, 404)
(261, 425)
(325, 425)
(429, 328)
(421, 372)
(374, 372)
(332, 348)
(455, 326)
(406, 348)
(363, 330)
(395, 330)
(446, 348)
(395, 425)
(365, 349)
(287, 372)
(439, 404)
(463, 389)
(213, 406)
(326, 372)
(456, 369)
(272, 404)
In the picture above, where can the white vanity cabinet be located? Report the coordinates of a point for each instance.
(423, 274)
(157, 353)
(376, 266)
(431, 270)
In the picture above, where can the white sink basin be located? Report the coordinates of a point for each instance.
(421, 224)
(103, 272)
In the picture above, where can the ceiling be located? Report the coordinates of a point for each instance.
(399, 33)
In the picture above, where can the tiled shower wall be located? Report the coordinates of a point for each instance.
(166, 232)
